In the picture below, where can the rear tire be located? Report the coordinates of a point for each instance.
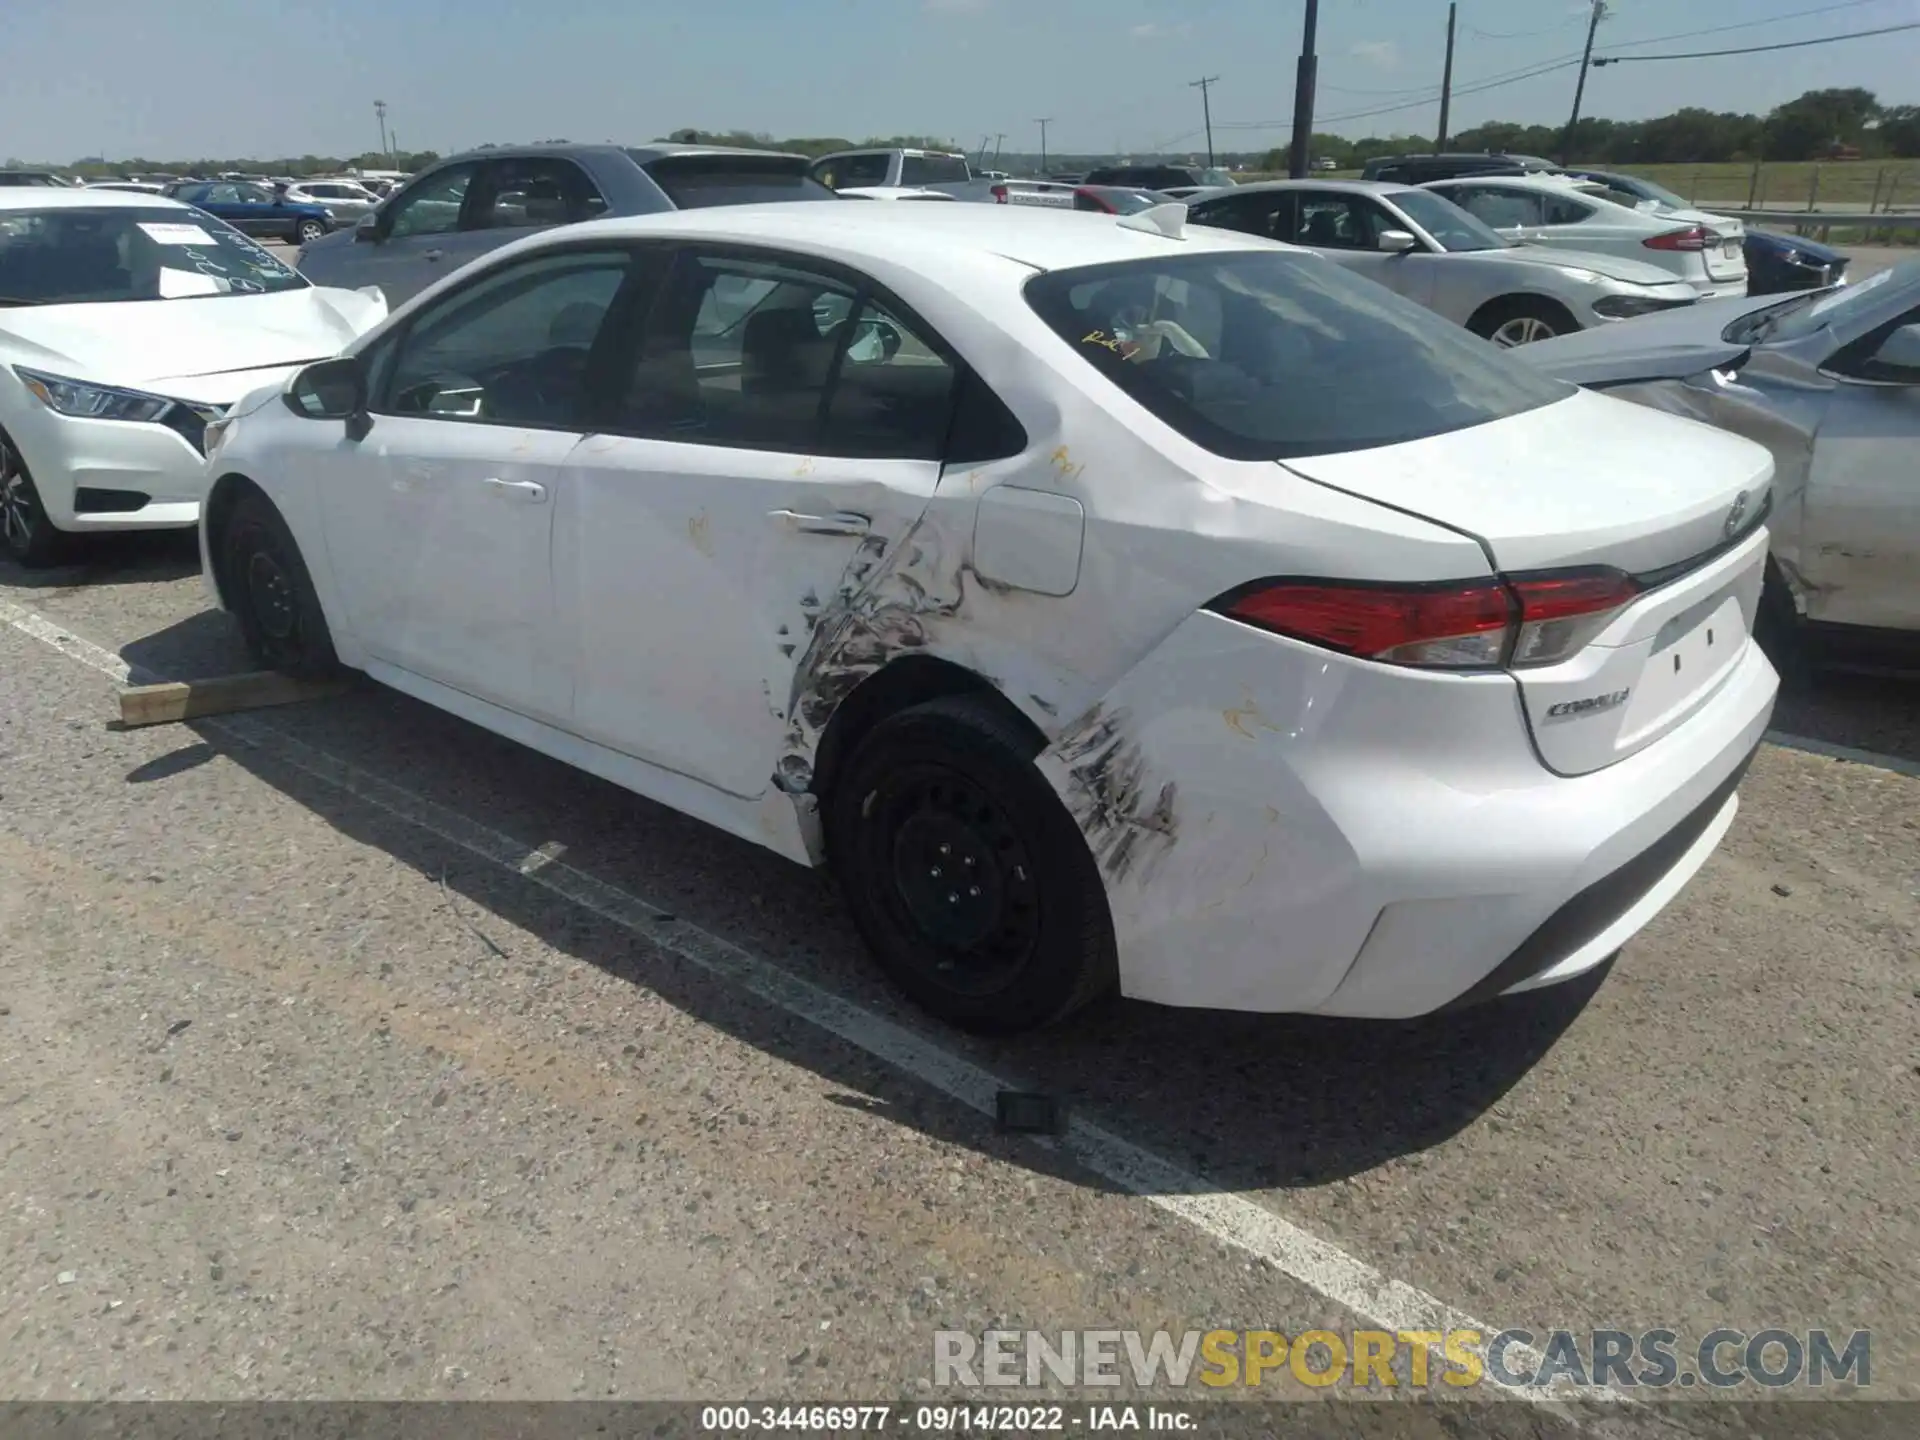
(1521, 320)
(1780, 633)
(272, 595)
(27, 535)
(970, 882)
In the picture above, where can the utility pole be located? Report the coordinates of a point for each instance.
(997, 139)
(1206, 109)
(981, 163)
(380, 114)
(1446, 83)
(1303, 95)
(1043, 142)
(1580, 86)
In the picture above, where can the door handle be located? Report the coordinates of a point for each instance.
(526, 491)
(841, 523)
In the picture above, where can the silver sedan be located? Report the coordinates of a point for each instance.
(1433, 252)
(1829, 381)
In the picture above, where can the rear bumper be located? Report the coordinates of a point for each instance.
(1283, 829)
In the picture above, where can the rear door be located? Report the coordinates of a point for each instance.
(777, 423)
(521, 195)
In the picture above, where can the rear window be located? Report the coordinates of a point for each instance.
(1267, 356)
(933, 170)
(695, 181)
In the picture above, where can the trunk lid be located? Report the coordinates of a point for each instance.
(1593, 481)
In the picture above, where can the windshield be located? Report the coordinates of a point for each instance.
(84, 256)
(1213, 179)
(1660, 193)
(1816, 309)
(1267, 356)
(1456, 231)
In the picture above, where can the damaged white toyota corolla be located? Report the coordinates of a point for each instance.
(1112, 605)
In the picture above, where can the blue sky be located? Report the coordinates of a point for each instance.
(289, 77)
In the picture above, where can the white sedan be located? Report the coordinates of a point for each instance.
(1112, 604)
(1576, 215)
(127, 322)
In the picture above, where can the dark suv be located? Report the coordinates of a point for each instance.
(1419, 169)
(469, 204)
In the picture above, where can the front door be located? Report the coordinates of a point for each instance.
(774, 434)
(440, 524)
(418, 237)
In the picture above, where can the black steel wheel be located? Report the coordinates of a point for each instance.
(25, 531)
(967, 877)
(266, 585)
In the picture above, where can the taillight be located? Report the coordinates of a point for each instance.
(1696, 238)
(1524, 621)
(999, 193)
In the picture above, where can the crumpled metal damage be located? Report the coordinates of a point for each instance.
(1130, 824)
(1773, 411)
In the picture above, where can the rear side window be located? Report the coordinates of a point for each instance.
(695, 181)
(1271, 355)
(932, 169)
(1563, 211)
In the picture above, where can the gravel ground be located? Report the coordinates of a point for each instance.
(306, 1101)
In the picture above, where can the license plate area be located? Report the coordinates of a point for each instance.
(1731, 249)
(1691, 653)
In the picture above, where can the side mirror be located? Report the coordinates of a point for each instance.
(1397, 242)
(331, 390)
(368, 230)
(1899, 355)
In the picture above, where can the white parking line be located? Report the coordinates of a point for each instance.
(1318, 1264)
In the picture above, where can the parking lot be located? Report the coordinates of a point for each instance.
(349, 1050)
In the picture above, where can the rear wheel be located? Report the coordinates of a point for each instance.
(25, 531)
(1521, 320)
(271, 594)
(967, 877)
(309, 231)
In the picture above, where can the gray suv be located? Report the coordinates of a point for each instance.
(465, 206)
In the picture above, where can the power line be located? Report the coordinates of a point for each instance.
(1747, 24)
(1757, 49)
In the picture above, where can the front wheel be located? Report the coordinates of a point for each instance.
(25, 531)
(308, 232)
(967, 877)
(1521, 320)
(271, 594)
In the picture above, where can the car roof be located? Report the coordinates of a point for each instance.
(1345, 187)
(71, 199)
(922, 237)
(1545, 184)
(653, 150)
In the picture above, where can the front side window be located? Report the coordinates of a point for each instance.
(252, 195)
(775, 356)
(510, 349)
(1338, 222)
(433, 206)
(1273, 355)
(98, 255)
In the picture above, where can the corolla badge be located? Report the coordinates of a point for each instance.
(1736, 515)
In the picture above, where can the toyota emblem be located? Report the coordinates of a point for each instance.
(1736, 514)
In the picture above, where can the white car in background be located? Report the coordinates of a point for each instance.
(1113, 603)
(1428, 249)
(890, 192)
(347, 201)
(1576, 215)
(127, 324)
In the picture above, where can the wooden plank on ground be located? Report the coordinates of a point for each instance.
(221, 695)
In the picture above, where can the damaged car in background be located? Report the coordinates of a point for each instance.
(1829, 381)
(1112, 605)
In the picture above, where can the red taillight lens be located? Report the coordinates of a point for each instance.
(1450, 626)
(1695, 239)
(1529, 620)
(999, 193)
(1562, 610)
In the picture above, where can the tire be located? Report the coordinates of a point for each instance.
(1778, 631)
(27, 536)
(1037, 945)
(1520, 320)
(308, 231)
(271, 594)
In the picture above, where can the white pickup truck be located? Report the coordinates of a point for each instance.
(933, 170)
